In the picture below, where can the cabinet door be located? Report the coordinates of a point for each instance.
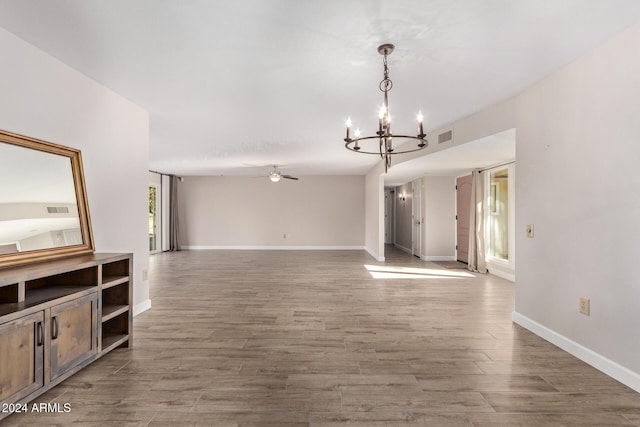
(21, 357)
(73, 333)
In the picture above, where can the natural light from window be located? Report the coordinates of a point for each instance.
(390, 272)
(498, 218)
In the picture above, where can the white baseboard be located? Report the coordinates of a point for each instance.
(438, 258)
(373, 254)
(502, 274)
(275, 248)
(614, 370)
(141, 307)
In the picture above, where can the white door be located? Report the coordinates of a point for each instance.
(416, 216)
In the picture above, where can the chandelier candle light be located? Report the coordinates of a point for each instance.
(383, 135)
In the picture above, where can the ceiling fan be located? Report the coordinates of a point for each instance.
(275, 175)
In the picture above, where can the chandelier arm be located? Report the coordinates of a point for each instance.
(351, 142)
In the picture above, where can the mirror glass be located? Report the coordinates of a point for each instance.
(42, 202)
(39, 209)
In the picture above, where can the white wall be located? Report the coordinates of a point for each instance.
(374, 212)
(316, 211)
(45, 99)
(578, 149)
(439, 214)
(577, 155)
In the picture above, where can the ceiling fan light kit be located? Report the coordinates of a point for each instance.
(275, 175)
(383, 136)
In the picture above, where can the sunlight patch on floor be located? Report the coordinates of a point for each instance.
(390, 272)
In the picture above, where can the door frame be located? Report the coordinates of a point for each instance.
(416, 217)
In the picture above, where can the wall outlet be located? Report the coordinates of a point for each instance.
(530, 230)
(585, 306)
(145, 274)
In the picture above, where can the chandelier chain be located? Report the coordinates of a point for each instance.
(386, 84)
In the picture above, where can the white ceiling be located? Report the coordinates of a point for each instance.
(234, 83)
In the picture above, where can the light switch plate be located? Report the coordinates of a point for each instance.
(585, 306)
(530, 230)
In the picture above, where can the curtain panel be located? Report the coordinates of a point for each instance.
(174, 232)
(477, 260)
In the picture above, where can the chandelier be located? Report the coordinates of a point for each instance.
(384, 136)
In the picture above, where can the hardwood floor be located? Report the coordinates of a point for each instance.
(327, 338)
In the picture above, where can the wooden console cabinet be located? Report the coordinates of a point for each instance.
(58, 317)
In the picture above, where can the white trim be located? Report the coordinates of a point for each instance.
(272, 248)
(141, 307)
(614, 370)
(502, 274)
(417, 200)
(438, 258)
(402, 248)
(377, 258)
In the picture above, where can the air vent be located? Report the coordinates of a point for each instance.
(57, 209)
(445, 136)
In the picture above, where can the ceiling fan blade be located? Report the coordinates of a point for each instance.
(289, 177)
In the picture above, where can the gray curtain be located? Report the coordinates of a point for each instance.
(476, 224)
(174, 232)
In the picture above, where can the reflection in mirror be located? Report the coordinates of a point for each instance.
(38, 210)
(43, 207)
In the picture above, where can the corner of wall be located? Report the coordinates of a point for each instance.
(141, 307)
(598, 361)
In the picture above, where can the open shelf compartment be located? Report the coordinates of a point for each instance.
(9, 294)
(115, 300)
(60, 285)
(114, 273)
(115, 331)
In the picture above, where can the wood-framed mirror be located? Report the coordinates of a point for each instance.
(44, 212)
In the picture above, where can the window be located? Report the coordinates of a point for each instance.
(498, 215)
(153, 218)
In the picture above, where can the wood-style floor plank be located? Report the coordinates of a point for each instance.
(329, 338)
